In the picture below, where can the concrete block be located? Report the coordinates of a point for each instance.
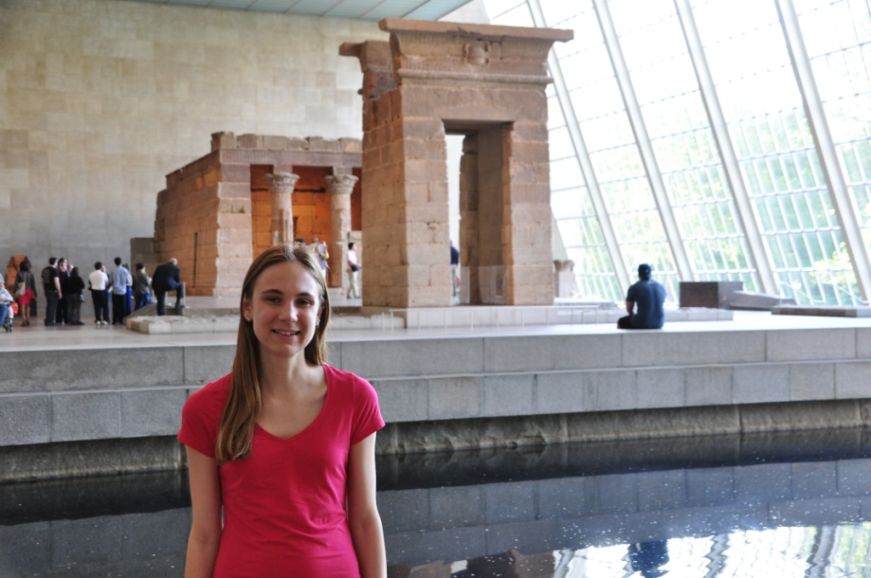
(564, 393)
(545, 353)
(454, 398)
(863, 343)
(852, 380)
(809, 381)
(84, 416)
(373, 359)
(692, 348)
(206, 364)
(661, 388)
(810, 344)
(71, 370)
(764, 418)
(509, 395)
(708, 386)
(760, 383)
(26, 419)
(152, 412)
(456, 506)
(403, 400)
(615, 390)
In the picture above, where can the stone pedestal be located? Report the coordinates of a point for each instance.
(711, 294)
(282, 185)
(339, 188)
(481, 80)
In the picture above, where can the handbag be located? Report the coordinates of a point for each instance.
(21, 289)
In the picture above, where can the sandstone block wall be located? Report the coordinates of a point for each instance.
(102, 98)
(215, 214)
(487, 82)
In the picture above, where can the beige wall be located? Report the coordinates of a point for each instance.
(100, 99)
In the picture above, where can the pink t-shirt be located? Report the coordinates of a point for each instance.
(284, 504)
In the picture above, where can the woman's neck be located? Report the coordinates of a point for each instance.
(286, 375)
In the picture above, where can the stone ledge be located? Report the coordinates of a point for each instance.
(222, 320)
(822, 310)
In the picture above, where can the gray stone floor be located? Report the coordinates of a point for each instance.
(38, 337)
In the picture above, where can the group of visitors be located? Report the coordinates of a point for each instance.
(133, 291)
(63, 286)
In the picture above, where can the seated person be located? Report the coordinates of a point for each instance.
(644, 302)
(6, 300)
(167, 277)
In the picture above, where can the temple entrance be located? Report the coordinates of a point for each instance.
(482, 196)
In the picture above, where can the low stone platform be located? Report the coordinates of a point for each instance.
(822, 311)
(92, 399)
(211, 319)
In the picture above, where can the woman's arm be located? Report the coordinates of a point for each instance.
(205, 532)
(363, 514)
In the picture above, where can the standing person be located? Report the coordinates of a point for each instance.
(321, 254)
(119, 279)
(98, 282)
(353, 273)
(51, 286)
(25, 290)
(648, 297)
(281, 451)
(73, 289)
(33, 304)
(141, 287)
(167, 277)
(63, 271)
(455, 269)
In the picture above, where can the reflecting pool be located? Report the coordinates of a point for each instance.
(772, 506)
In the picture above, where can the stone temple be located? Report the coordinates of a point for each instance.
(430, 79)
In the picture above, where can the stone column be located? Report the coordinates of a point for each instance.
(282, 207)
(470, 292)
(340, 188)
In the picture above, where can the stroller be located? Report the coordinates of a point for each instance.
(11, 310)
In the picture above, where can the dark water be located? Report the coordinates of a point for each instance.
(773, 506)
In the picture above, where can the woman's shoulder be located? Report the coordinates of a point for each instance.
(349, 382)
(337, 375)
(212, 397)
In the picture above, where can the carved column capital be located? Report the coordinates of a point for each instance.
(341, 184)
(282, 185)
(283, 182)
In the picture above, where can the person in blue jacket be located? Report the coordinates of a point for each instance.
(644, 302)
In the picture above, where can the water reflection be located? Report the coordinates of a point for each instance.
(774, 506)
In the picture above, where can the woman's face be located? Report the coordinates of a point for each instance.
(283, 309)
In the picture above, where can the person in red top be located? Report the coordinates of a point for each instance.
(281, 451)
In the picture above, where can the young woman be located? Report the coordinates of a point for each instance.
(281, 451)
(26, 281)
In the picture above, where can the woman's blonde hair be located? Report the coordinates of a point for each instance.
(237, 422)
